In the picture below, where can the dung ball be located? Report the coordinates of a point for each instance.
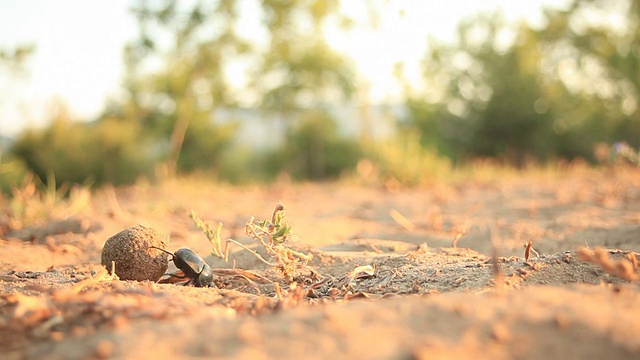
(134, 258)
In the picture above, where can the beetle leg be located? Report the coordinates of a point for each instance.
(173, 278)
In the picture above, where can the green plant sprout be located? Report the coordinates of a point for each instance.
(277, 230)
(271, 234)
(212, 235)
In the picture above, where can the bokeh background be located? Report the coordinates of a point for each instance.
(247, 91)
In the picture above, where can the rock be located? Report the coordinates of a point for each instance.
(134, 259)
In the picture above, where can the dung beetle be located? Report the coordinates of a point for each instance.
(193, 266)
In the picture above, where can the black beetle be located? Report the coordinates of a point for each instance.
(193, 266)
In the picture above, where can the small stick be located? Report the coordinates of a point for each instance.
(243, 273)
(278, 290)
(497, 272)
(459, 236)
(249, 226)
(527, 250)
(535, 252)
(258, 256)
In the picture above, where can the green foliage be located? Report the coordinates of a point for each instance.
(212, 235)
(405, 160)
(550, 92)
(302, 71)
(277, 228)
(109, 151)
(488, 108)
(176, 101)
(12, 172)
(314, 150)
(505, 91)
(178, 78)
(295, 73)
(204, 145)
(601, 99)
(272, 234)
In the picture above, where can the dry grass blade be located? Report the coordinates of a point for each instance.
(366, 270)
(212, 235)
(112, 199)
(457, 238)
(498, 278)
(64, 294)
(327, 280)
(633, 258)
(528, 248)
(250, 275)
(35, 203)
(402, 220)
(278, 291)
(254, 253)
(461, 225)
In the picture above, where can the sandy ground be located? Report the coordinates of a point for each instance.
(385, 282)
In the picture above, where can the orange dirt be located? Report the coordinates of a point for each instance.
(384, 282)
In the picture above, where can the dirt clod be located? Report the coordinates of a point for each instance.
(134, 259)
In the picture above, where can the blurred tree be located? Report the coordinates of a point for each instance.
(593, 49)
(180, 70)
(515, 92)
(314, 150)
(15, 59)
(489, 94)
(300, 78)
(109, 151)
(301, 72)
(13, 65)
(190, 46)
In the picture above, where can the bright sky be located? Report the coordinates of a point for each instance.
(79, 44)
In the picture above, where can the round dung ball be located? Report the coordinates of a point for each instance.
(134, 258)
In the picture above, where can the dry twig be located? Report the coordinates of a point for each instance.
(402, 220)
